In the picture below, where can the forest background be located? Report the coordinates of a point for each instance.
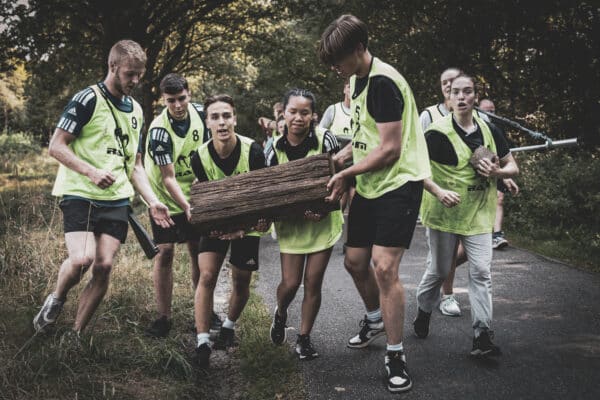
(538, 60)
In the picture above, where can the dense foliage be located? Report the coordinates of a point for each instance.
(539, 61)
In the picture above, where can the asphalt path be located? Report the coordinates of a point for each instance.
(546, 321)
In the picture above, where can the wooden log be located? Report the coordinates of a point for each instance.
(281, 192)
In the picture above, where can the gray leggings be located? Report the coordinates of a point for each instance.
(439, 261)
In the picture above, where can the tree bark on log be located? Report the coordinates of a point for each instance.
(276, 193)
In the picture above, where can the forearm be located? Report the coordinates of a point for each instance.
(176, 193)
(379, 158)
(343, 156)
(63, 153)
(431, 186)
(140, 182)
(508, 168)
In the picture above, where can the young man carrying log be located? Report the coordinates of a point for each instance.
(226, 154)
(390, 163)
(173, 137)
(96, 141)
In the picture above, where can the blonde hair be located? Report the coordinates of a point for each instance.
(126, 50)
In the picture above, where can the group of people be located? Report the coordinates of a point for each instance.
(396, 171)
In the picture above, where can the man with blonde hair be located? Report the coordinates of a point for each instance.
(96, 142)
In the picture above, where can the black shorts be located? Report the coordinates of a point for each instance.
(501, 187)
(387, 221)
(181, 232)
(88, 216)
(244, 251)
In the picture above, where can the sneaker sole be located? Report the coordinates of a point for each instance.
(500, 246)
(307, 358)
(365, 344)
(400, 389)
(478, 353)
(447, 314)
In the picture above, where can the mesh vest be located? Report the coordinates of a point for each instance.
(183, 148)
(413, 164)
(341, 120)
(213, 172)
(300, 236)
(98, 146)
(476, 211)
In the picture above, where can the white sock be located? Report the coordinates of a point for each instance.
(56, 300)
(395, 347)
(203, 337)
(374, 316)
(228, 323)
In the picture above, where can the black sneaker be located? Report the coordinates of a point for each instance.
(304, 348)
(278, 333)
(421, 324)
(483, 346)
(159, 328)
(369, 331)
(397, 374)
(215, 323)
(225, 339)
(202, 356)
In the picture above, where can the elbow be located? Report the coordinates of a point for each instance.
(53, 150)
(392, 155)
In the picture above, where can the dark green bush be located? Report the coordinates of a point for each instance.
(559, 200)
(15, 147)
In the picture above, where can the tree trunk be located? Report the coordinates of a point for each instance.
(284, 191)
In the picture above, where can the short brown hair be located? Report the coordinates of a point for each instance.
(126, 49)
(341, 37)
(225, 98)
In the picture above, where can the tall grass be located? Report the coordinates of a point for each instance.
(112, 359)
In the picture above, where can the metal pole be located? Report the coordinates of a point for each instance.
(516, 125)
(548, 145)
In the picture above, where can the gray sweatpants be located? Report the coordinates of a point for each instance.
(439, 261)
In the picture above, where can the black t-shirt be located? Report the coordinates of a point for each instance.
(384, 100)
(441, 150)
(330, 145)
(227, 165)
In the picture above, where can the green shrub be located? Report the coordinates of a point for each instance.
(15, 147)
(559, 200)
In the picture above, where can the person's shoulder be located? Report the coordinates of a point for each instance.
(84, 96)
(199, 108)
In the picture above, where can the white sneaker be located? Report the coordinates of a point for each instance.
(499, 242)
(449, 306)
(48, 313)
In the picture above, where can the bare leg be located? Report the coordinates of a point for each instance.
(316, 264)
(459, 258)
(386, 261)
(499, 212)
(106, 248)
(292, 266)
(162, 275)
(209, 265)
(193, 250)
(81, 247)
(240, 292)
(357, 263)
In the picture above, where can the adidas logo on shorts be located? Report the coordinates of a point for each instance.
(251, 262)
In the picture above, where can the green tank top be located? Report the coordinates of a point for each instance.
(183, 148)
(98, 146)
(301, 236)
(213, 172)
(476, 211)
(413, 164)
(341, 120)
